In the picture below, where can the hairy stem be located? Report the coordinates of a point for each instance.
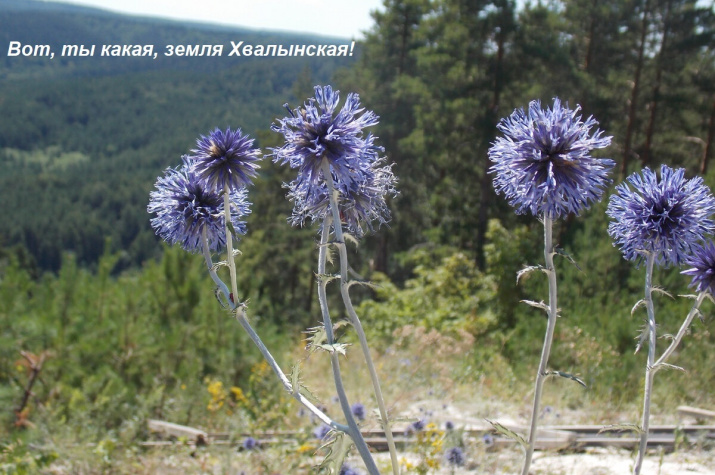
(344, 292)
(240, 312)
(649, 373)
(354, 430)
(548, 340)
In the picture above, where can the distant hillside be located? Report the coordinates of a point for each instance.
(82, 139)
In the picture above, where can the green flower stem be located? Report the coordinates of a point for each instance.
(353, 429)
(548, 340)
(241, 317)
(683, 329)
(344, 291)
(649, 369)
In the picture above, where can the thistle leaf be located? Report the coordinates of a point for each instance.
(220, 297)
(350, 238)
(540, 305)
(339, 348)
(317, 337)
(218, 265)
(638, 304)
(641, 338)
(509, 433)
(660, 366)
(561, 252)
(297, 385)
(688, 296)
(326, 278)
(229, 225)
(662, 291)
(700, 315)
(622, 427)
(365, 283)
(528, 270)
(338, 446)
(566, 375)
(295, 377)
(340, 324)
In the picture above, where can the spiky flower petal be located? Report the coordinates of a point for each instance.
(226, 158)
(316, 133)
(666, 217)
(185, 207)
(702, 261)
(543, 163)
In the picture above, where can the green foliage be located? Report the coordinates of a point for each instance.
(16, 458)
(447, 294)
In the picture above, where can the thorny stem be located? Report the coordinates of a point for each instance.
(354, 430)
(240, 311)
(683, 329)
(649, 369)
(548, 339)
(344, 291)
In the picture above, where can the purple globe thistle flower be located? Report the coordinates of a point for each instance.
(543, 163)
(322, 431)
(186, 209)
(348, 470)
(358, 411)
(250, 443)
(702, 261)
(316, 133)
(417, 426)
(455, 456)
(666, 217)
(449, 426)
(226, 158)
(362, 204)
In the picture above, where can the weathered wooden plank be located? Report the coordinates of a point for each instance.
(176, 430)
(696, 412)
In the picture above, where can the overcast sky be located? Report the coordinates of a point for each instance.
(341, 18)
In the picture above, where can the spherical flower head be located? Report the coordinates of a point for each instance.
(250, 443)
(226, 159)
(455, 456)
(320, 132)
(665, 217)
(348, 470)
(358, 411)
(186, 209)
(361, 205)
(321, 432)
(417, 426)
(543, 163)
(702, 261)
